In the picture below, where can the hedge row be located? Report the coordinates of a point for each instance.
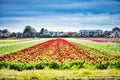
(111, 64)
(25, 66)
(55, 65)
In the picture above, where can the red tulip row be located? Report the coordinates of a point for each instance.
(59, 50)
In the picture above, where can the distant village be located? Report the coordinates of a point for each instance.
(30, 32)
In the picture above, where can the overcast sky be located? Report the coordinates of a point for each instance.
(59, 15)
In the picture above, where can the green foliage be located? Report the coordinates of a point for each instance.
(41, 65)
(29, 32)
(73, 65)
(89, 66)
(17, 66)
(79, 64)
(41, 31)
(110, 64)
(4, 65)
(115, 64)
(66, 65)
(103, 65)
(29, 66)
(54, 65)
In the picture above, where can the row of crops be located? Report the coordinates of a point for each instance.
(9, 46)
(105, 46)
(54, 65)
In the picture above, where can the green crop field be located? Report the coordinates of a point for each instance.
(106, 47)
(9, 46)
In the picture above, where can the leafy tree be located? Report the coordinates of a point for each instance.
(13, 34)
(27, 29)
(41, 31)
(70, 34)
(29, 32)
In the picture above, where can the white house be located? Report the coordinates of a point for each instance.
(62, 34)
(53, 33)
(4, 33)
(46, 32)
(86, 33)
(115, 32)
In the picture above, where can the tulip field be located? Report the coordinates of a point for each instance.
(59, 50)
(60, 54)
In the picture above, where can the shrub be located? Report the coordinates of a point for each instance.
(29, 66)
(89, 66)
(54, 65)
(4, 65)
(103, 65)
(41, 65)
(79, 64)
(17, 66)
(66, 65)
(114, 64)
(74, 64)
(110, 64)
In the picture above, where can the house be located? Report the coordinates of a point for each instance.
(90, 33)
(19, 35)
(56, 33)
(4, 33)
(62, 34)
(115, 32)
(52, 33)
(46, 32)
(107, 33)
